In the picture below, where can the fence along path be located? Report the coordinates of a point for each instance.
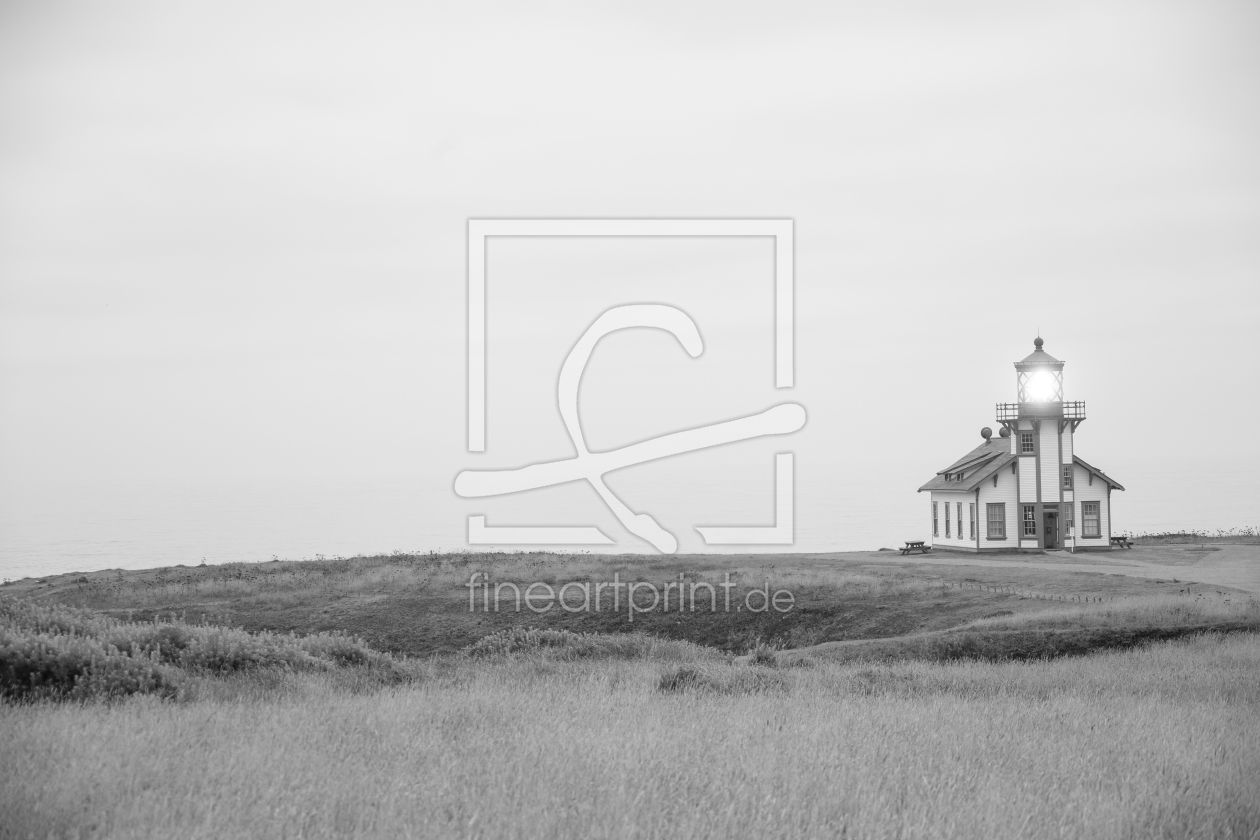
(1027, 593)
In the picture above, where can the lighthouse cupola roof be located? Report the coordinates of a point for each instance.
(1039, 358)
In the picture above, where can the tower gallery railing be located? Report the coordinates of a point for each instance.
(1074, 410)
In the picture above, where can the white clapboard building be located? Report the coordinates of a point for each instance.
(1026, 489)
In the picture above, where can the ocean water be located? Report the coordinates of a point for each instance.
(87, 526)
(90, 526)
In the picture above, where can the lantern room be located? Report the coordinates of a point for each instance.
(1039, 391)
(1039, 377)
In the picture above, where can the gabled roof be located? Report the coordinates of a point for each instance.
(985, 460)
(977, 465)
(1115, 484)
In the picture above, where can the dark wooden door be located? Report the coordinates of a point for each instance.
(1052, 530)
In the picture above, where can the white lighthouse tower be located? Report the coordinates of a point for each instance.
(1027, 490)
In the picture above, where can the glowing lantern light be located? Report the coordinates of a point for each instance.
(1040, 377)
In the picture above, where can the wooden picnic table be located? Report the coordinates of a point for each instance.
(1123, 542)
(911, 545)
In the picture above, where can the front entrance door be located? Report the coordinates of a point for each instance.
(1052, 531)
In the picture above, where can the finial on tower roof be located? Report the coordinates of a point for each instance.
(1038, 343)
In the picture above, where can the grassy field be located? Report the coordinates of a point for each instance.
(1157, 742)
(898, 699)
(418, 605)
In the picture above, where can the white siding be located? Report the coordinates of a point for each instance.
(1085, 492)
(952, 498)
(1005, 494)
(1050, 460)
(1067, 446)
(1028, 479)
(1105, 507)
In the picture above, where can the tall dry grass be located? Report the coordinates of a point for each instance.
(1157, 742)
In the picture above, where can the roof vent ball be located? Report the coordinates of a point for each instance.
(986, 433)
(1006, 431)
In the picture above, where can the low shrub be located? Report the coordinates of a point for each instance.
(64, 665)
(567, 645)
(763, 654)
(726, 680)
(60, 652)
(528, 640)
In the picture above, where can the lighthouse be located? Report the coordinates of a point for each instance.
(1027, 489)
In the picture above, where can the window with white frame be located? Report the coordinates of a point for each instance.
(1027, 446)
(1030, 520)
(971, 526)
(1067, 476)
(1091, 519)
(934, 519)
(947, 520)
(997, 520)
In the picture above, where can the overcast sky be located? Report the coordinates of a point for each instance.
(232, 234)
